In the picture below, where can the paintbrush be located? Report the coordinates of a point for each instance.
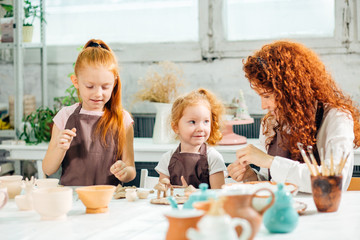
(312, 157)
(306, 159)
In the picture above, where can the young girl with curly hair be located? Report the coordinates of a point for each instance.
(195, 118)
(304, 105)
(93, 140)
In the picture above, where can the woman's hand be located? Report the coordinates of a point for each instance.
(65, 137)
(253, 155)
(119, 169)
(237, 171)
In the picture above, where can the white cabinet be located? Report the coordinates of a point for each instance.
(19, 47)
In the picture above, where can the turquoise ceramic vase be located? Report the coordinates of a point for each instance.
(282, 216)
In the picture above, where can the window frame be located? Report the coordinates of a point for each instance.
(212, 44)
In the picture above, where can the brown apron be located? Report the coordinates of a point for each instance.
(275, 148)
(87, 161)
(192, 166)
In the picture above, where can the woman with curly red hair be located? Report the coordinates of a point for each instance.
(304, 105)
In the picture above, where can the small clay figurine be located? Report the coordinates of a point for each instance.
(25, 202)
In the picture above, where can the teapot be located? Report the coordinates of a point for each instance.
(282, 216)
(218, 225)
(202, 195)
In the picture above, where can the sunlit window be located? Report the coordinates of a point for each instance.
(125, 21)
(272, 19)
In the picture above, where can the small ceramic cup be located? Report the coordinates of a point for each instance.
(3, 197)
(47, 182)
(326, 192)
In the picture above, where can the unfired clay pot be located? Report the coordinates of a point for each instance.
(52, 203)
(12, 183)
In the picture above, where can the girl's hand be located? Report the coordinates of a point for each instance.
(119, 169)
(65, 137)
(251, 154)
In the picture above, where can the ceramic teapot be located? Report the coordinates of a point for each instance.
(218, 225)
(282, 216)
(203, 195)
(239, 205)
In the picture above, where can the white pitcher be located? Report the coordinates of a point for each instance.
(220, 227)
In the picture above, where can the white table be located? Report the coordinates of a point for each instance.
(142, 220)
(144, 151)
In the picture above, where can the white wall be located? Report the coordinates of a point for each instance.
(225, 77)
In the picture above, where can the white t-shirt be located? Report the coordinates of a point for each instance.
(215, 161)
(63, 115)
(337, 132)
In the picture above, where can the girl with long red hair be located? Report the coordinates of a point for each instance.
(93, 140)
(304, 105)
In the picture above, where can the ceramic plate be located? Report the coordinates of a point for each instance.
(261, 184)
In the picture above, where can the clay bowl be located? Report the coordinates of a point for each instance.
(13, 184)
(52, 203)
(262, 198)
(47, 182)
(23, 203)
(96, 198)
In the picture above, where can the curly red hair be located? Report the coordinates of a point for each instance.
(198, 96)
(298, 79)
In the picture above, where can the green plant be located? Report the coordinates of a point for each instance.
(31, 12)
(38, 125)
(8, 8)
(68, 100)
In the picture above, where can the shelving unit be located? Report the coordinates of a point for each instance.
(18, 47)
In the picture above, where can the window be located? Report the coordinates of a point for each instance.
(272, 19)
(126, 21)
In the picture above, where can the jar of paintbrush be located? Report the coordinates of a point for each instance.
(326, 180)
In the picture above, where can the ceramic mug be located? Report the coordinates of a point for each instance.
(3, 197)
(326, 192)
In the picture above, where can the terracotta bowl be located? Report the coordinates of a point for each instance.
(53, 203)
(96, 198)
(47, 182)
(12, 183)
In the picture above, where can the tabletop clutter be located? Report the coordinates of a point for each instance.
(234, 212)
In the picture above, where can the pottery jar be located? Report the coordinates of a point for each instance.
(240, 205)
(180, 221)
(282, 216)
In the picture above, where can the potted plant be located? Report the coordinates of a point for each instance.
(30, 13)
(161, 86)
(7, 29)
(38, 125)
